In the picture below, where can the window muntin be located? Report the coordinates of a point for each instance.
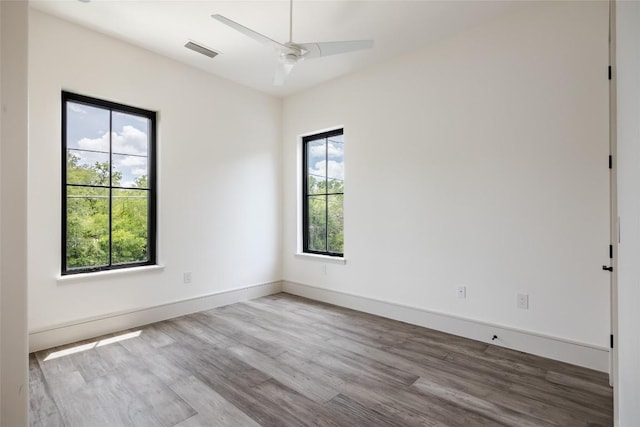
(323, 193)
(108, 185)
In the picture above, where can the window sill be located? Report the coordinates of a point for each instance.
(322, 258)
(107, 274)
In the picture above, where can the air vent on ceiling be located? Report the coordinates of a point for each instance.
(200, 49)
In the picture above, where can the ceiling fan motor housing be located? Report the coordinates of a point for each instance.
(292, 58)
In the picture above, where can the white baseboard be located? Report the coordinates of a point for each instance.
(93, 327)
(576, 353)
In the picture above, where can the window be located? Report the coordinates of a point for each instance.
(323, 193)
(108, 185)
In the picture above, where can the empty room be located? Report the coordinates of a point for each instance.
(304, 212)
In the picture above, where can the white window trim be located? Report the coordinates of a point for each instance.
(107, 274)
(322, 258)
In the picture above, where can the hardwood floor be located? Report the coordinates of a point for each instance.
(287, 361)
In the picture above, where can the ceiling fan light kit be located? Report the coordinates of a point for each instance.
(290, 53)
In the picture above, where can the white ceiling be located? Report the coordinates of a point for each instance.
(164, 26)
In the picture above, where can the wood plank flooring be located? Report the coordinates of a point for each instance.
(282, 360)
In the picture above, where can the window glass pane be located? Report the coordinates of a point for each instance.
(339, 139)
(87, 167)
(317, 215)
(316, 158)
(87, 227)
(335, 165)
(130, 226)
(87, 127)
(316, 184)
(335, 186)
(130, 134)
(335, 224)
(130, 171)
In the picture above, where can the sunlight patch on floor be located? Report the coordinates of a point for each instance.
(91, 345)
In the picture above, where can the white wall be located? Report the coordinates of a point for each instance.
(13, 201)
(480, 161)
(627, 412)
(476, 162)
(218, 166)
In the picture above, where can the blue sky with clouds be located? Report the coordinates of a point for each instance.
(88, 139)
(321, 150)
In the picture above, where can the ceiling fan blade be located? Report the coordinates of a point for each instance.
(283, 69)
(316, 50)
(260, 38)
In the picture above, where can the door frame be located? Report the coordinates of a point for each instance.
(613, 203)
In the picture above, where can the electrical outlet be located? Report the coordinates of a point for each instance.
(461, 291)
(186, 278)
(523, 301)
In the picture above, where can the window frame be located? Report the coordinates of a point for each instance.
(151, 180)
(305, 195)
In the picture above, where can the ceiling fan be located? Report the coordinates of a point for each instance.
(291, 53)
